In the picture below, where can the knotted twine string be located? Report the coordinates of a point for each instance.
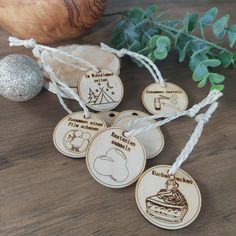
(201, 120)
(37, 49)
(152, 68)
(212, 97)
(40, 51)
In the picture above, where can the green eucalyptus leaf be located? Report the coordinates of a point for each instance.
(211, 62)
(226, 58)
(219, 27)
(131, 32)
(202, 83)
(173, 23)
(197, 45)
(151, 56)
(136, 13)
(218, 87)
(152, 41)
(135, 46)
(232, 35)
(160, 53)
(145, 51)
(192, 22)
(118, 40)
(216, 78)
(195, 60)
(200, 73)
(182, 54)
(163, 41)
(150, 10)
(208, 17)
(119, 26)
(234, 56)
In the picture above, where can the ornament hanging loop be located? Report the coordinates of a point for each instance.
(201, 120)
(40, 51)
(152, 68)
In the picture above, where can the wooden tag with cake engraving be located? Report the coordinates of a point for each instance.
(115, 160)
(152, 140)
(101, 91)
(168, 201)
(108, 116)
(74, 132)
(160, 100)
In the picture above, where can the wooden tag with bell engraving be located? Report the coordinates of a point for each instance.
(152, 140)
(168, 201)
(74, 132)
(115, 160)
(101, 91)
(160, 100)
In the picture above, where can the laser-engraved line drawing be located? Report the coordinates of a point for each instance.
(169, 204)
(113, 164)
(101, 95)
(161, 101)
(76, 140)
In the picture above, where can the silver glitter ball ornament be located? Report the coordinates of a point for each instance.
(21, 78)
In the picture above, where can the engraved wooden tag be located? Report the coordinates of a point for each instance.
(168, 201)
(74, 132)
(108, 116)
(114, 160)
(101, 91)
(159, 100)
(128, 113)
(152, 140)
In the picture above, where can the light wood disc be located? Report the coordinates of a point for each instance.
(167, 201)
(114, 160)
(160, 100)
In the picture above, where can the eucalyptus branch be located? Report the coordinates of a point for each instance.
(141, 31)
(171, 29)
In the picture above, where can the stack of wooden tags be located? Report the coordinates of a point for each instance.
(117, 145)
(115, 159)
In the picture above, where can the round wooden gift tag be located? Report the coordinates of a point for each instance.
(108, 116)
(74, 132)
(101, 91)
(169, 99)
(152, 140)
(115, 160)
(168, 201)
(128, 113)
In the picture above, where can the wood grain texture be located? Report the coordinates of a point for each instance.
(45, 193)
(49, 21)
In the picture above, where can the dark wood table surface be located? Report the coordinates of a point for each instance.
(44, 193)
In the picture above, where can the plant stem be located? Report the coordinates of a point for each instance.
(116, 13)
(165, 27)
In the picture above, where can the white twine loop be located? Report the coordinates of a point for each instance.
(201, 119)
(40, 52)
(211, 97)
(31, 43)
(152, 68)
